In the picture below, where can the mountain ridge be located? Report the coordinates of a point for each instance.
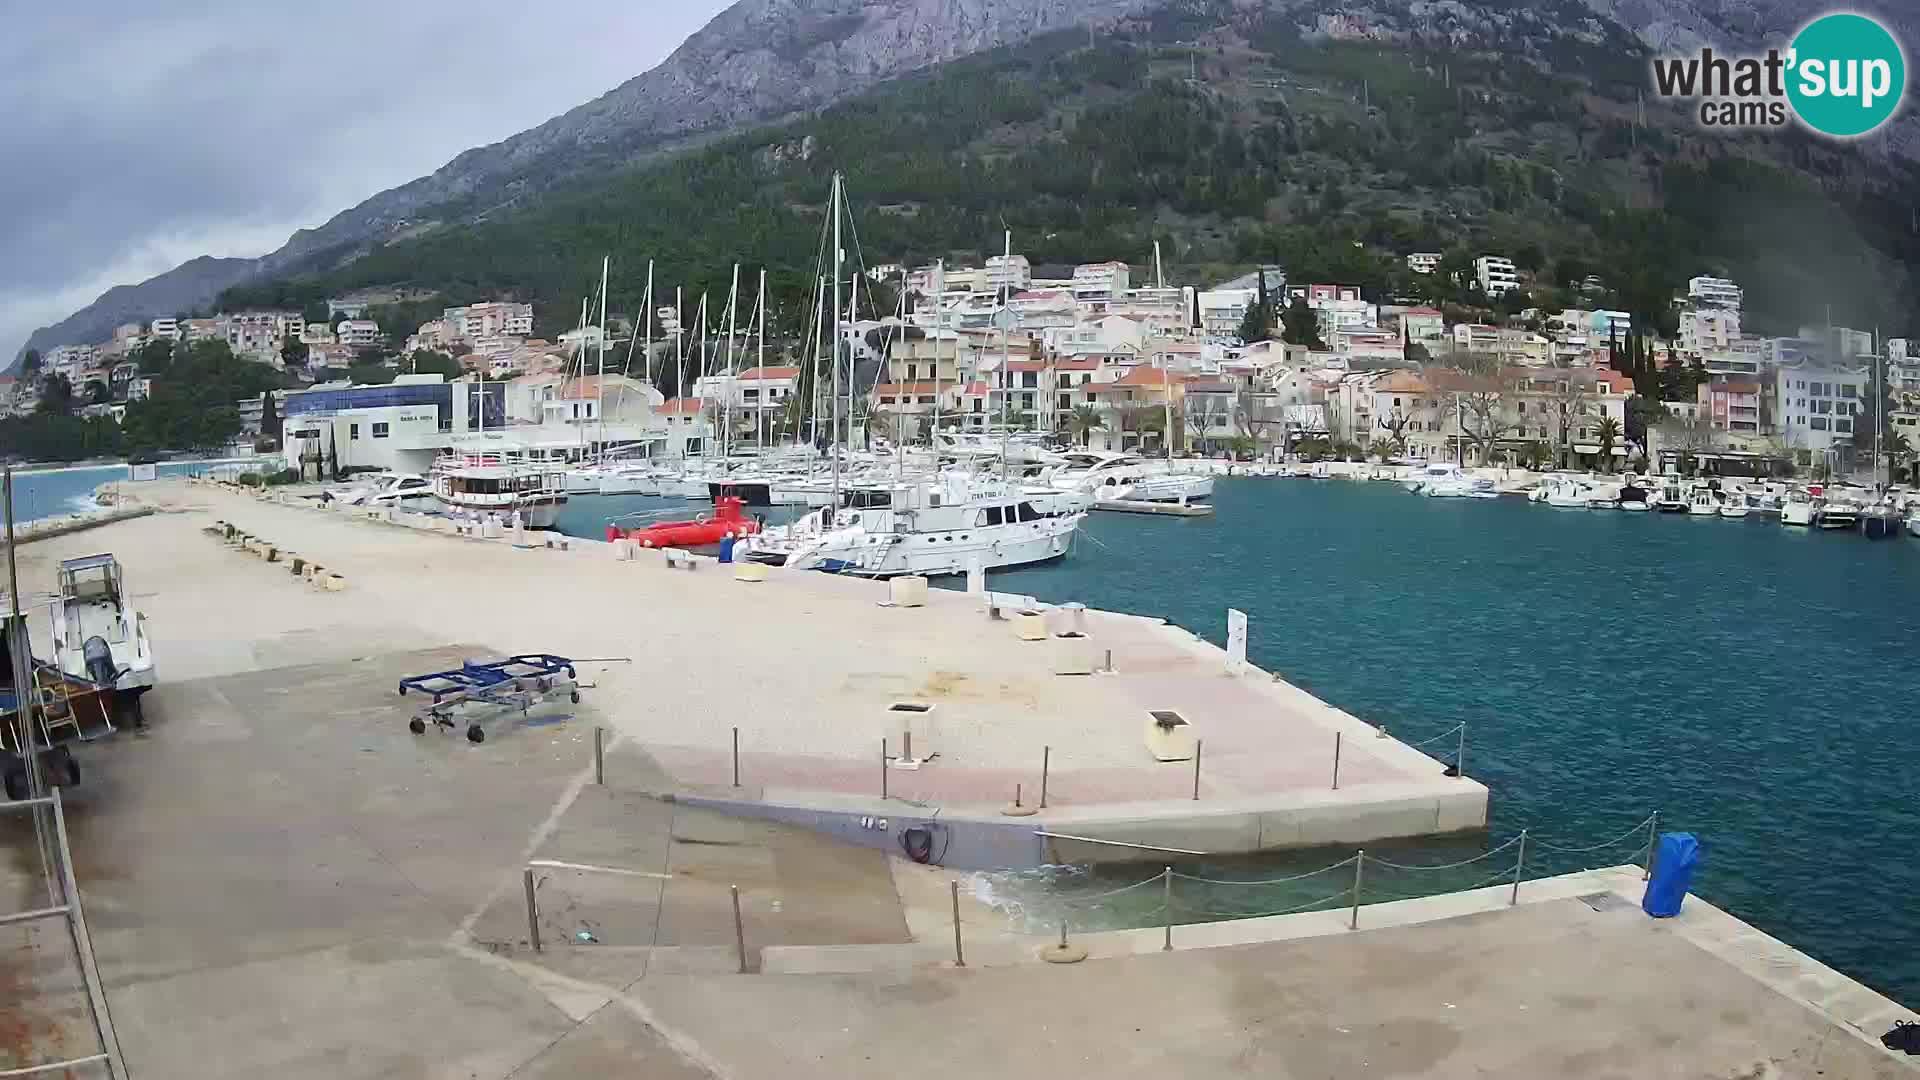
(764, 61)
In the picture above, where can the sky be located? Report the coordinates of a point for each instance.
(138, 135)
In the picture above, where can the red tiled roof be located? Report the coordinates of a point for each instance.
(588, 386)
(975, 389)
(1143, 376)
(769, 373)
(683, 406)
(1056, 365)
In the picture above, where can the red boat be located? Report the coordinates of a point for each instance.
(727, 522)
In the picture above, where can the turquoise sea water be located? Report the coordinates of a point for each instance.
(51, 492)
(1755, 684)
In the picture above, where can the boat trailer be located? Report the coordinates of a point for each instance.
(518, 682)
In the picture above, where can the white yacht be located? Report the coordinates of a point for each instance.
(1433, 473)
(1834, 510)
(1562, 493)
(1797, 508)
(493, 483)
(97, 634)
(1107, 475)
(1701, 502)
(933, 527)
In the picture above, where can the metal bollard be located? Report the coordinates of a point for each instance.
(1197, 744)
(1359, 872)
(1460, 753)
(959, 958)
(1046, 760)
(533, 911)
(1653, 839)
(1519, 868)
(600, 756)
(736, 757)
(1166, 905)
(739, 931)
(883, 766)
(1336, 761)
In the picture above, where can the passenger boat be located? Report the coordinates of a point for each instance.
(1701, 502)
(1797, 508)
(1672, 498)
(1434, 473)
(1633, 498)
(943, 525)
(98, 637)
(1125, 476)
(494, 483)
(1835, 513)
(727, 522)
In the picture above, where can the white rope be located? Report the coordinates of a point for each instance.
(1348, 861)
(1343, 894)
(1450, 731)
(1628, 835)
(1111, 892)
(1445, 866)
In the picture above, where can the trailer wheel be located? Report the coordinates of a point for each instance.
(576, 697)
(474, 734)
(417, 726)
(16, 782)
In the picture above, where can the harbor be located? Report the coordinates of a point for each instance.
(353, 853)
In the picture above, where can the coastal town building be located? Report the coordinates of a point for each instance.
(1496, 274)
(1424, 262)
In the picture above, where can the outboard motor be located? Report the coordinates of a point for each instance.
(99, 659)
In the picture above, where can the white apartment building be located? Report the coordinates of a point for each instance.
(1814, 406)
(1714, 292)
(1709, 329)
(1222, 310)
(252, 334)
(317, 333)
(166, 328)
(358, 333)
(70, 361)
(1011, 272)
(1101, 281)
(494, 319)
(1423, 262)
(1496, 274)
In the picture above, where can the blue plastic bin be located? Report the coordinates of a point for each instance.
(1674, 859)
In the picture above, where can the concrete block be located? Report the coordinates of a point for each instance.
(908, 591)
(1461, 810)
(1030, 626)
(623, 550)
(333, 583)
(749, 571)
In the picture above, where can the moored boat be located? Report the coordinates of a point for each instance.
(727, 522)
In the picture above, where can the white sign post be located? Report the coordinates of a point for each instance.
(1236, 641)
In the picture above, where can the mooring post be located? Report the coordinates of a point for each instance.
(959, 958)
(739, 931)
(1653, 837)
(1336, 761)
(533, 912)
(736, 757)
(1359, 871)
(883, 766)
(1460, 753)
(1519, 868)
(1197, 743)
(1166, 906)
(600, 756)
(1046, 761)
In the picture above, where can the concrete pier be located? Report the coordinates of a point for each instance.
(284, 881)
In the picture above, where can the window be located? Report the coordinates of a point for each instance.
(926, 399)
(1026, 401)
(993, 515)
(750, 395)
(1066, 401)
(1818, 423)
(379, 431)
(1845, 389)
(1028, 513)
(1396, 403)
(1030, 379)
(353, 431)
(1521, 407)
(913, 372)
(1843, 425)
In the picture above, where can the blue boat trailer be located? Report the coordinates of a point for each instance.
(517, 682)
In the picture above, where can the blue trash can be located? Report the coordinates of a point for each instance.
(726, 549)
(1674, 859)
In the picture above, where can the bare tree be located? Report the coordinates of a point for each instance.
(1568, 391)
(1485, 412)
(1255, 418)
(1394, 425)
(1691, 433)
(1202, 412)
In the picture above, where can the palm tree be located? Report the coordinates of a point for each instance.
(1084, 422)
(1609, 433)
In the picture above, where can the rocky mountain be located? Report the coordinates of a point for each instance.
(764, 61)
(758, 60)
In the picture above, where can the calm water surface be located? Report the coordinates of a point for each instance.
(1753, 684)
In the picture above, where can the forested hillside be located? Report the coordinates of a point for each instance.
(1324, 140)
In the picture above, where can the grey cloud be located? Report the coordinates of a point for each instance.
(137, 135)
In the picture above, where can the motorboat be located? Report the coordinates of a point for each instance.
(1880, 521)
(500, 484)
(384, 489)
(1834, 512)
(1703, 501)
(1125, 476)
(1734, 508)
(1563, 493)
(1434, 473)
(98, 637)
(1672, 498)
(727, 522)
(1320, 470)
(1797, 508)
(943, 525)
(1633, 498)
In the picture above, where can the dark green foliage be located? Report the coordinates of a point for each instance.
(192, 406)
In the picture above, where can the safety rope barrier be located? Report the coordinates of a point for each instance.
(1376, 861)
(1628, 835)
(1454, 730)
(1348, 861)
(1096, 897)
(1343, 895)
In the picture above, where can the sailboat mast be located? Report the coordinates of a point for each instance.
(813, 388)
(939, 283)
(733, 367)
(1006, 347)
(600, 379)
(760, 358)
(834, 343)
